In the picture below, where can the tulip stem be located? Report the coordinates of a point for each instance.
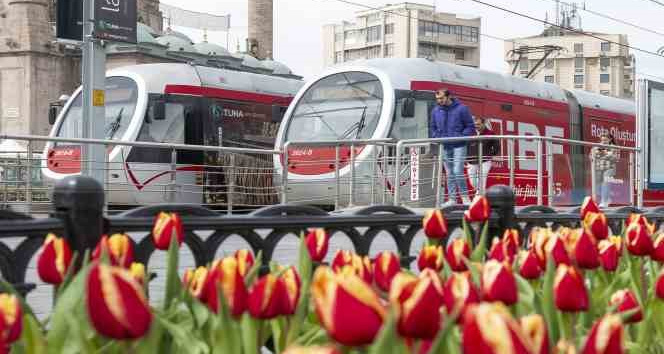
(644, 283)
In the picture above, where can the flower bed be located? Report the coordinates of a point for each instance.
(552, 291)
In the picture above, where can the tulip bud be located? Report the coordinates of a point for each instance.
(639, 242)
(167, 226)
(267, 297)
(224, 275)
(347, 307)
(555, 247)
(419, 301)
(137, 271)
(459, 292)
(431, 257)
(434, 224)
(490, 328)
(569, 291)
(586, 254)
(361, 265)
(386, 266)
(659, 286)
(609, 255)
(534, 328)
(658, 249)
(625, 301)
(497, 250)
(511, 242)
(116, 303)
(596, 225)
(245, 260)
(317, 242)
(118, 247)
(587, 206)
(478, 210)
(529, 265)
(11, 319)
(54, 260)
(641, 220)
(311, 350)
(498, 283)
(195, 280)
(457, 251)
(606, 337)
(293, 287)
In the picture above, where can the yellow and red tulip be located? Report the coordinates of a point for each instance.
(564, 347)
(596, 225)
(293, 286)
(639, 242)
(54, 260)
(626, 301)
(431, 257)
(569, 291)
(347, 307)
(511, 242)
(267, 297)
(457, 251)
(498, 283)
(658, 249)
(497, 250)
(586, 254)
(245, 260)
(386, 267)
(11, 320)
(116, 303)
(317, 242)
(434, 224)
(529, 265)
(478, 210)
(224, 275)
(118, 247)
(641, 220)
(606, 337)
(534, 327)
(419, 301)
(166, 227)
(460, 292)
(489, 328)
(659, 286)
(587, 206)
(556, 248)
(609, 253)
(360, 264)
(195, 281)
(137, 271)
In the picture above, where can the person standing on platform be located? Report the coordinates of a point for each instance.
(478, 171)
(604, 163)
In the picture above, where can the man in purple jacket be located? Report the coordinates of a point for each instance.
(449, 119)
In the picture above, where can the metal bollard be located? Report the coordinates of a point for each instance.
(79, 203)
(549, 172)
(502, 200)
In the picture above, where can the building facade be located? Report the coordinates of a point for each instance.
(584, 62)
(404, 30)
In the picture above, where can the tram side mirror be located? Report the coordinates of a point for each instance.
(278, 113)
(158, 109)
(408, 107)
(52, 114)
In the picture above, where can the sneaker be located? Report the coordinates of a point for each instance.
(448, 203)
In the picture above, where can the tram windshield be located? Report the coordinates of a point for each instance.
(342, 106)
(120, 103)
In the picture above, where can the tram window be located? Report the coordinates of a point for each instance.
(168, 130)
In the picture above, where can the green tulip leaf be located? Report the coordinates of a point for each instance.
(173, 283)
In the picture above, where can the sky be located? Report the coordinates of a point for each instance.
(298, 26)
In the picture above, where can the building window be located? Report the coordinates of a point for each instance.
(428, 29)
(606, 46)
(604, 78)
(548, 78)
(474, 34)
(523, 64)
(578, 62)
(604, 62)
(389, 50)
(459, 54)
(373, 52)
(420, 28)
(578, 47)
(578, 79)
(389, 28)
(548, 63)
(443, 29)
(605, 92)
(373, 34)
(373, 16)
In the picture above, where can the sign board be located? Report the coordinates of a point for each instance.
(69, 20)
(115, 20)
(414, 174)
(651, 99)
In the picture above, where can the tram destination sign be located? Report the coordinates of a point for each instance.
(115, 20)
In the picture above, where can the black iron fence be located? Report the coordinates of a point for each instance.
(79, 216)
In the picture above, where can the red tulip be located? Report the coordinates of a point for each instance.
(11, 320)
(641, 220)
(434, 224)
(386, 266)
(431, 257)
(116, 303)
(606, 337)
(489, 328)
(609, 254)
(658, 249)
(224, 275)
(119, 249)
(347, 307)
(419, 301)
(54, 260)
(586, 254)
(498, 283)
(569, 291)
(195, 281)
(529, 265)
(596, 225)
(317, 242)
(556, 248)
(361, 265)
(167, 226)
(587, 206)
(534, 328)
(293, 286)
(459, 291)
(511, 242)
(659, 286)
(626, 301)
(137, 271)
(457, 251)
(639, 242)
(267, 298)
(245, 260)
(479, 210)
(497, 250)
